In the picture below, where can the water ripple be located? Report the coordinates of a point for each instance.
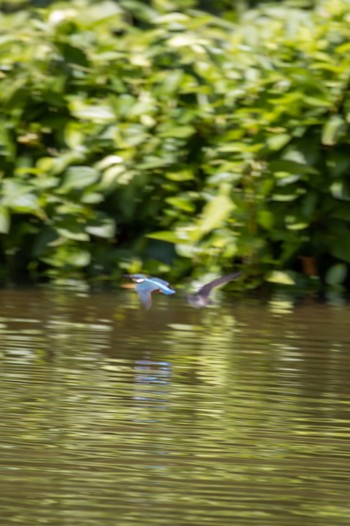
(112, 416)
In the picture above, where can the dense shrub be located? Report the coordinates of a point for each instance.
(174, 141)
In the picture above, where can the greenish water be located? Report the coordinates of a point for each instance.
(237, 414)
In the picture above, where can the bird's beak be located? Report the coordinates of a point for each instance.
(126, 276)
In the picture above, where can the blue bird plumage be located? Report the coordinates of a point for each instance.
(145, 286)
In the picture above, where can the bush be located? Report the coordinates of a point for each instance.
(174, 141)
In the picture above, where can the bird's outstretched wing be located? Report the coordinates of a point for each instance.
(161, 281)
(206, 289)
(144, 290)
(163, 286)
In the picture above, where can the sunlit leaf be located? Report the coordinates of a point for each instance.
(105, 229)
(19, 197)
(265, 219)
(285, 198)
(333, 130)
(92, 198)
(102, 10)
(170, 237)
(297, 226)
(183, 203)
(172, 82)
(109, 161)
(93, 112)
(78, 177)
(214, 214)
(79, 258)
(181, 175)
(66, 256)
(180, 132)
(75, 232)
(339, 190)
(282, 278)
(277, 142)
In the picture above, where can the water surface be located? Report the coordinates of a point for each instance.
(237, 414)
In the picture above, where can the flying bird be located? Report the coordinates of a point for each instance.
(201, 297)
(146, 286)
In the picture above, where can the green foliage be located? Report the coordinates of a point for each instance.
(133, 135)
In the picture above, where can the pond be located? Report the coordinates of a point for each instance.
(235, 414)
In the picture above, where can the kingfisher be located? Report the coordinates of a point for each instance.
(145, 286)
(201, 297)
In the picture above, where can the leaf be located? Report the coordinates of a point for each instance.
(266, 219)
(340, 247)
(319, 102)
(181, 175)
(79, 177)
(180, 132)
(285, 198)
(171, 82)
(339, 191)
(284, 179)
(333, 130)
(292, 167)
(42, 243)
(214, 214)
(25, 203)
(182, 40)
(92, 198)
(74, 136)
(5, 220)
(65, 256)
(79, 258)
(186, 250)
(99, 113)
(110, 160)
(105, 229)
(297, 226)
(277, 142)
(183, 203)
(282, 278)
(102, 10)
(170, 237)
(73, 233)
(19, 197)
(69, 228)
(336, 274)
